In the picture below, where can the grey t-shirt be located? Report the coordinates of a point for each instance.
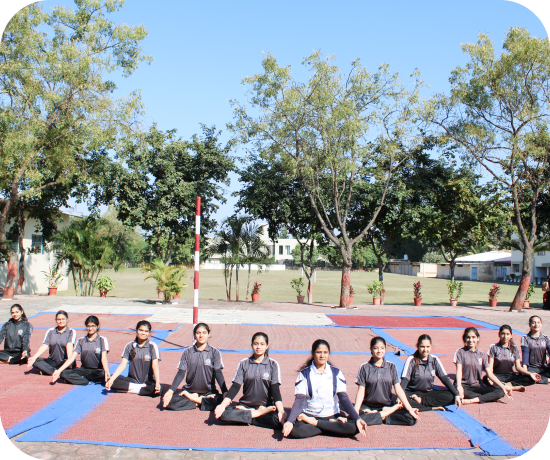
(256, 379)
(421, 377)
(57, 341)
(538, 347)
(378, 382)
(473, 365)
(503, 359)
(200, 366)
(16, 336)
(141, 367)
(90, 351)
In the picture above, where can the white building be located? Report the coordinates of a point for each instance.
(540, 264)
(282, 250)
(37, 259)
(485, 266)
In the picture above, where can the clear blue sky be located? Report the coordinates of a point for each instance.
(202, 50)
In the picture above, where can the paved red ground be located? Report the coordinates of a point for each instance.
(446, 341)
(280, 338)
(106, 321)
(522, 421)
(23, 393)
(202, 430)
(399, 321)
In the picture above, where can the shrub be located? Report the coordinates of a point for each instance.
(455, 289)
(494, 291)
(105, 283)
(256, 288)
(375, 288)
(416, 288)
(298, 285)
(530, 291)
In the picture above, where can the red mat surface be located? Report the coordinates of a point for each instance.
(522, 421)
(202, 430)
(106, 321)
(237, 336)
(22, 395)
(446, 341)
(399, 321)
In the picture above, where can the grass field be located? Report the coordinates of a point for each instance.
(276, 288)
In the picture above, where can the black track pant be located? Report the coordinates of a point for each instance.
(399, 417)
(516, 380)
(184, 403)
(130, 385)
(234, 415)
(15, 357)
(485, 394)
(324, 426)
(47, 366)
(430, 399)
(544, 372)
(82, 376)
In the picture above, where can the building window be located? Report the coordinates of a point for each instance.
(515, 268)
(37, 244)
(280, 250)
(287, 250)
(542, 253)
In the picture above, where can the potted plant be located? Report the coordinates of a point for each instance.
(493, 294)
(455, 291)
(168, 277)
(351, 294)
(298, 285)
(256, 291)
(417, 295)
(530, 292)
(105, 284)
(54, 278)
(375, 288)
(513, 277)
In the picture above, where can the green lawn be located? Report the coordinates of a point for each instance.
(276, 287)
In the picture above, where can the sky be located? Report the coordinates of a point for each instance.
(202, 50)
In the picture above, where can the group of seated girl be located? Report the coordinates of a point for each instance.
(321, 403)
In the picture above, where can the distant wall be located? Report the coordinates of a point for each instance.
(35, 283)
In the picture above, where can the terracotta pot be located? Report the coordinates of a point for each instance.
(255, 297)
(453, 302)
(350, 299)
(102, 293)
(52, 290)
(417, 301)
(525, 304)
(492, 302)
(300, 298)
(176, 296)
(376, 300)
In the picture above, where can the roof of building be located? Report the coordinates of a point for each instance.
(491, 256)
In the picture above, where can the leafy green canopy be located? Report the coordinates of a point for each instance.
(56, 103)
(157, 186)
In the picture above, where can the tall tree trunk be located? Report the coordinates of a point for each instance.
(22, 222)
(517, 303)
(309, 290)
(452, 265)
(230, 278)
(346, 277)
(381, 266)
(9, 290)
(248, 283)
(237, 283)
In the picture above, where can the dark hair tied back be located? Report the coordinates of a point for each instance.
(513, 347)
(62, 312)
(467, 331)
(266, 338)
(417, 352)
(376, 340)
(132, 353)
(92, 319)
(201, 325)
(20, 308)
(314, 348)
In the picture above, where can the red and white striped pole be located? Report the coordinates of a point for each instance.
(197, 262)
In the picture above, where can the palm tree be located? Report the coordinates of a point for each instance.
(254, 250)
(168, 277)
(88, 246)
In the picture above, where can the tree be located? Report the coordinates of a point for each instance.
(88, 245)
(332, 132)
(156, 187)
(134, 248)
(498, 111)
(457, 212)
(239, 243)
(272, 194)
(56, 104)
